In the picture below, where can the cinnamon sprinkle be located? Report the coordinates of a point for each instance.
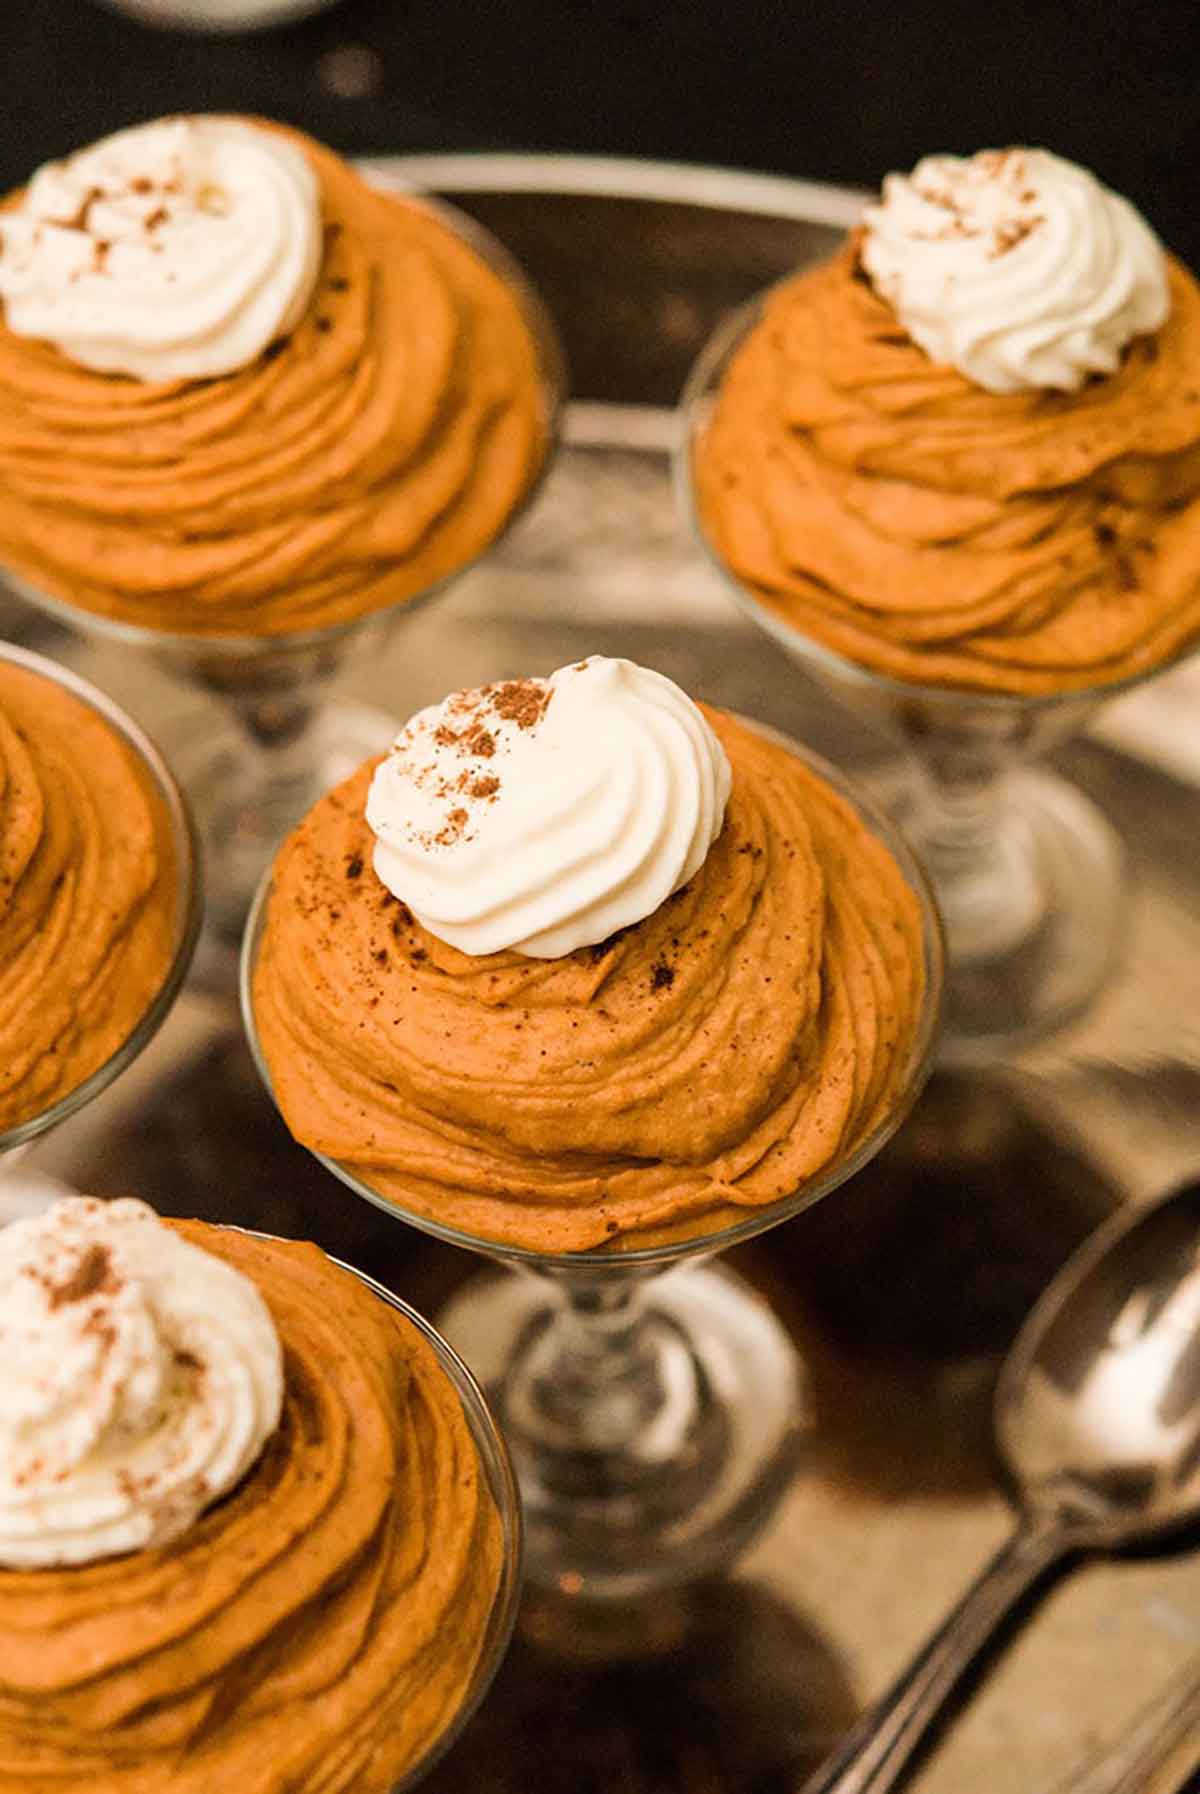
(1012, 232)
(452, 828)
(520, 701)
(478, 741)
(92, 1274)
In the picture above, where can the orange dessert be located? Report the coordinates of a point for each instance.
(1003, 492)
(244, 392)
(314, 1630)
(579, 965)
(88, 892)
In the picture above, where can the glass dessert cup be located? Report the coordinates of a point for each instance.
(20, 1189)
(1029, 875)
(290, 739)
(654, 1420)
(502, 1486)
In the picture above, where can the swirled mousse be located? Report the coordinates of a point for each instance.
(579, 964)
(966, 452)
(244, 392)
(308, 1551)
(88, 892)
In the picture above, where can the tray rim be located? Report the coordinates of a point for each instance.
(625, 177)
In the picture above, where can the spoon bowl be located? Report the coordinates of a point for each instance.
(1097, 1424)
(1097, 1410)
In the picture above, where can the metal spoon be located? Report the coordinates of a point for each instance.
(1097, 1423)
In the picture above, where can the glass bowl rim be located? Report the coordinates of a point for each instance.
(496, 1463)
(189, 905)
(606, 1261)
(695, 401)
(553, 383)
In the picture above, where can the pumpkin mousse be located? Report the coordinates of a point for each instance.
(245, 1538)
(966, 452)
(243, 392)
(89, 892)
(578, 964)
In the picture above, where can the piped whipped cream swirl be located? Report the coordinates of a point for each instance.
(140, 1378)
(544, 814)
(1016, 267)
(177, 250)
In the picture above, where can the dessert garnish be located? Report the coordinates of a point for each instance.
(175, 250)
(1016, 267)
(140, 1378)
(545, 814)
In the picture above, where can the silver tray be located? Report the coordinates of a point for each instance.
(907, 1285)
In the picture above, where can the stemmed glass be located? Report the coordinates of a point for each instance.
(291, 741)
(654, 1420)
(1027, 871)
(502, 1486)
(26, 1191)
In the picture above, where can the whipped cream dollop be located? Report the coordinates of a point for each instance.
(177, 250)
(1016, 267)
(544, 814)
(140, 1378)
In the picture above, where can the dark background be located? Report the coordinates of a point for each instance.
(836, 91)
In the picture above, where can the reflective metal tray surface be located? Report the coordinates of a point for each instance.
(906, 1286)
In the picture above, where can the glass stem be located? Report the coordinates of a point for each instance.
(279, 725)
(255, 794)
(977, 848)
(604, 1391)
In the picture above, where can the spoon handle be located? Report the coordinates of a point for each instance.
(876, 1749)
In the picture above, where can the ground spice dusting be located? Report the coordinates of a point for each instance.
(98, 1326)
(474, 740)
(662, 976)
(452, 828)
(93, 1273)
(1015, 230)
(520, 701)
(478, 741)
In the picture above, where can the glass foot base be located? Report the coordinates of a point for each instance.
(998, 1001)
(244, 804)
(684, 1495)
